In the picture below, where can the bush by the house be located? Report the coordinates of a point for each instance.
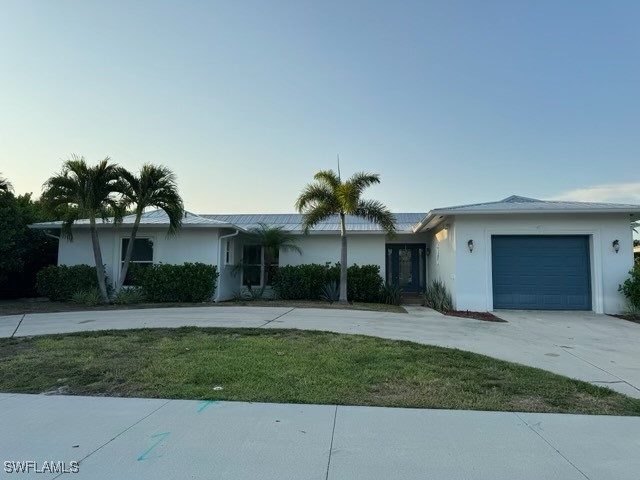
(129, 296)
(631, 288)
(61, 282)
(190, 282)
(437, 296)
(91, 297)
(391, 294)
(300, 282)
(364, 283)
(307, 282)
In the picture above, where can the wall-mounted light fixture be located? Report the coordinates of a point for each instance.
(616, 246)
(428, 251)
(470, 246)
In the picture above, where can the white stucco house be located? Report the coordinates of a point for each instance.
(516, 253)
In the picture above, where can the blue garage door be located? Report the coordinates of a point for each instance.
(541, 272)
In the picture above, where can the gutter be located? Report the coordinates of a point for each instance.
(223, 237)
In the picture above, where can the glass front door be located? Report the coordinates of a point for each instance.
(405, 266)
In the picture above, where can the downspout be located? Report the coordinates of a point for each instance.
(220, 262)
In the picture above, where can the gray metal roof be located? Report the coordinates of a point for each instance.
(517, 204)
(293, 222)
(151, 218)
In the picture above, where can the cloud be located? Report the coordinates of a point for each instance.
(614, 192)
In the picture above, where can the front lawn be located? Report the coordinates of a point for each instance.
(289, 366)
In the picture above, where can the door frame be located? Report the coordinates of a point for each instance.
(421, 262)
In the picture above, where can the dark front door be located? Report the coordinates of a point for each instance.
(406, 266)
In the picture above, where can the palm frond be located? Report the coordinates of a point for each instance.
(328, 178)
(316, 215)
(315, 194)
(154, 186)
(376, 212)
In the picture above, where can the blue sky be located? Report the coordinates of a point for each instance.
(451, 102)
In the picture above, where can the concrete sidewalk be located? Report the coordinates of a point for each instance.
(595, 348)
(162, 439)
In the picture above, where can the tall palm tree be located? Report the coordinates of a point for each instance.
(87, 192)
(329, 196)
(5, 185)
(272, 240)
(155, 186)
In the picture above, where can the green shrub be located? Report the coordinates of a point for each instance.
(61, 282)
(190, 282)
(300, 282)
(307, 282)
(91, 297)
(129, 296)
(330, 292)
(631, 288)
(391, 294)
(438, 297)
(364, 283)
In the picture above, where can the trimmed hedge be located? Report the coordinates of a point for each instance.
(61, 282)
(305, 282)
(190, 282)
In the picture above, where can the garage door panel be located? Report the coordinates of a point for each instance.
(541, 272)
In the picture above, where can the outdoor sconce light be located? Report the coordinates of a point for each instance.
(428, 251)
(470, 246)
(616, 246)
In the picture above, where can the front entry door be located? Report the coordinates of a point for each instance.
(406, 266)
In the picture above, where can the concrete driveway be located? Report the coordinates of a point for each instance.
(154, 439)
(596, 348)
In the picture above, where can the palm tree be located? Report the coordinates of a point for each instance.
(155, 186)
(329, 196)
(86, 191)
(272, 240)
(5, 185)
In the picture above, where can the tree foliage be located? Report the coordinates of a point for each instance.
(330, 196)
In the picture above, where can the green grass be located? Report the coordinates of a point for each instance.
(290, 366)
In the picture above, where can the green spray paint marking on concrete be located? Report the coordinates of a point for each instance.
(162, 438)
(205, 404)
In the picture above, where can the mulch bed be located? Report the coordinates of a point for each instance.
(630, 318)
(484, 316)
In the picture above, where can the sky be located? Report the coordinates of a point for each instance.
(451, 102)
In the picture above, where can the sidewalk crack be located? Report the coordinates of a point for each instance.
(279, 316)
(333, 431)
(552, 446)
(118, 435)
(622, 380)
(18, 326)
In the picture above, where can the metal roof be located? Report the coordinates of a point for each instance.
(517, 204)
(152, 218)
(293, 222)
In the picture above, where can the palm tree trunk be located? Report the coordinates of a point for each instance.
(129, 254)
(343, 261)
(97, 254)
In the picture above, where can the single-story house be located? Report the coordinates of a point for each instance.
(516, 253)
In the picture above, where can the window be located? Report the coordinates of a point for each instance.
(259, 265)
(228, 258)
(141, 257)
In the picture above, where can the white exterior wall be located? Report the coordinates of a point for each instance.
(441, 263)
(473, 277)
(190, 245)
(362, 249)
